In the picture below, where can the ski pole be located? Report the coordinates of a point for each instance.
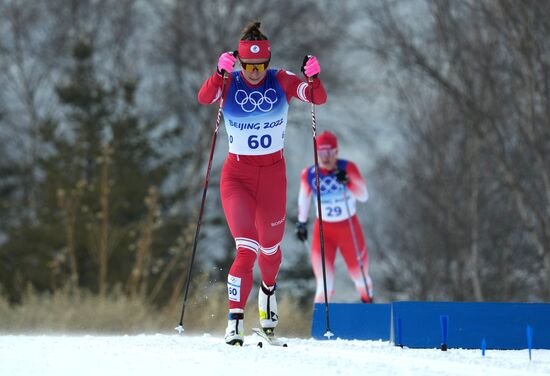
(328, 334)
(356, 243)
(179, 328)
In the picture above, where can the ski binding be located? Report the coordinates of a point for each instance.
(270, 340)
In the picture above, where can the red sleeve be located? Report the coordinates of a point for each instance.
(211, 89)
(356, 184)
(294, 86)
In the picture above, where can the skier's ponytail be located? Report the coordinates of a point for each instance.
(252, 32)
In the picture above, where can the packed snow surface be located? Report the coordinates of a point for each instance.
(185, 354)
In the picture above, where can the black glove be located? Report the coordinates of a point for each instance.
(301, 231)
(342, 177)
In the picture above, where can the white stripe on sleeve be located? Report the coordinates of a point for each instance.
(301, 91)
(218, 95)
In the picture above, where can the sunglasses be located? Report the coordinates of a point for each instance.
(249, 67)
(327, 153)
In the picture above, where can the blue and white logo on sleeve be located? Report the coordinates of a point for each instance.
(255, 118)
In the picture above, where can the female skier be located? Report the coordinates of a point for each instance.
(253, 179)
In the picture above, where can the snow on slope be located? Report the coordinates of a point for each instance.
(185, 354)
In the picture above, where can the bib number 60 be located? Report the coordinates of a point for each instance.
(254, 141)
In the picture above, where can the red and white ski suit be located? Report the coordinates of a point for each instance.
(253, 180)
(338, 206)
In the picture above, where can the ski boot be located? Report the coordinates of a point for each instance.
(267, 305)
(234, 333)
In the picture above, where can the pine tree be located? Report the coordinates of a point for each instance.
(95, 197)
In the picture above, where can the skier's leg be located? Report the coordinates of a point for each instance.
(350, 252)
(316, 261)
(269, 261)
(270, 222)
(239, 206)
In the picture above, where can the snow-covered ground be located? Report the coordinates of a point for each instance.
(183, 355)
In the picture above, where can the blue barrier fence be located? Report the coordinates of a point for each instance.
(433, 324)
(353, 321)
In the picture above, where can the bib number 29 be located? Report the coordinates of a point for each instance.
(254, 141)
(334, 212)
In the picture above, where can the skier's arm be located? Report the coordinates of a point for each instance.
(294, 86)
(356, 184)
(304, 197)
(211, 90)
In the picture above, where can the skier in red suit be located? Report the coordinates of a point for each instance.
(253, 180)
(341, 185)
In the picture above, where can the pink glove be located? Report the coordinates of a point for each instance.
(226, 63)
(311, 67)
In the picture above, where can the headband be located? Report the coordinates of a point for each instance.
(254, 49)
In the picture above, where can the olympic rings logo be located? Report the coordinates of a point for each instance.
(256, 100)
(328, 184)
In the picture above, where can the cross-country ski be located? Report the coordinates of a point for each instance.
(269, 339)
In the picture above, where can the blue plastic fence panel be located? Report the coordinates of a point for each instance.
(503, 325)
(352, 321)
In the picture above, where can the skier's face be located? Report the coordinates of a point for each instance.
(328, 158)
(254, 70)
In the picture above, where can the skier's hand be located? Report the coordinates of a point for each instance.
(226, 62)
(301, 231)
(342, 177)
(310, 66)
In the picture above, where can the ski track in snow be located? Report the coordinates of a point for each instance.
(163, 354)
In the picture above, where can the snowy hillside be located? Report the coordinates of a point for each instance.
(207, 355)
